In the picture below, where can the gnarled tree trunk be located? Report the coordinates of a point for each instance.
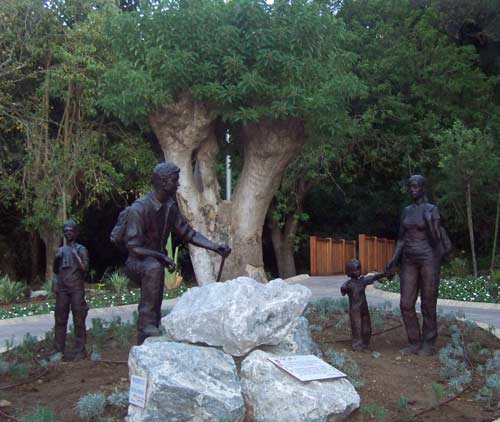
(186, 134)
(283, 235)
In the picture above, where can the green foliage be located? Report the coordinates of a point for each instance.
(100, 300)
(490, 391)
(21, 370)
(250, 60)
(97, 332)
(90, 407)
(118, 399)
(455, 365)
(456, 267)
(40, 414)
(327, 305)
(470, 289)
(343, 362)
(10, 290)
(437, 393)
(117, 282)
(122, 331)
(27, 348)
(402, 403)
(375, 411)
(172, 279)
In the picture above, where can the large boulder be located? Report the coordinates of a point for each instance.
(273, 395)
(185, 383)
(237, 315)
(298, 341)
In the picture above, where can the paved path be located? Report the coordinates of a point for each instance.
(14, 329)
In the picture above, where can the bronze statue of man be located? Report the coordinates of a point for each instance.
(149, 221)
(71, 264)
(419, 249)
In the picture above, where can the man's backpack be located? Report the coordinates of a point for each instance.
(119, 231)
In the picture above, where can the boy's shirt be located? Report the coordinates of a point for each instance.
(68, 269)
(355, 289)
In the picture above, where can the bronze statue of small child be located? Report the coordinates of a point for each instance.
(71, 264)
(361, 328)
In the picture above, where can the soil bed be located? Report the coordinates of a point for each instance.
(384, 373)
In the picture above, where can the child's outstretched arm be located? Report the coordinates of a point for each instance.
(343, 289)
(370, 279)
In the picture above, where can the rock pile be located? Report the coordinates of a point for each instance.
(213, 363)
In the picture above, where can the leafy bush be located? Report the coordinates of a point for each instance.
(10, 291)
(122, 331)
(118, 399)
(172, 279)
(97, 332)
(117, 282)
(90, 407)
(490, 392)
(28, 347)
(454, 365)
(40, 414)
(437, 393)
(457, 267)
(374, 411)
(21, 370)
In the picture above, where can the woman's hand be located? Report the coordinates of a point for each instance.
(428, 215)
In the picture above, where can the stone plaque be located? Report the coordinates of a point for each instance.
(307, 367)
(137, 393)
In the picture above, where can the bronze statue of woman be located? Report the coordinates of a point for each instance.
(419, 249)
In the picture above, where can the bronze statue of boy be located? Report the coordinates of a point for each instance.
(149, 221)
(361, 328)
(71, 264)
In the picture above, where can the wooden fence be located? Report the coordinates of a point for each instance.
(328, 255)
(374, 252)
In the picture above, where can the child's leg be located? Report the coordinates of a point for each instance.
(356, 324)
(79, 310)
(366, 328)
(61, 314)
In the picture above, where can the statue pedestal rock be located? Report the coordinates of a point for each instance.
(192, 375)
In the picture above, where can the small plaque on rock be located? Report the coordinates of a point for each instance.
(307, 367)
(137, 393)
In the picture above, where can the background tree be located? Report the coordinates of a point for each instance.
(64, 161)
(419, 81)
(468, 165)
(269, 70)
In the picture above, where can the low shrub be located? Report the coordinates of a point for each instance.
(90, 407)
(10, 291)
(117, 282)
(40, 414)
(118, 399)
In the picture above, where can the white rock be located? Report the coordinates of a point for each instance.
(237, 315)
(297, 278)
(38, 293)
(185, 383)
(274, 395)
(298, 341)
